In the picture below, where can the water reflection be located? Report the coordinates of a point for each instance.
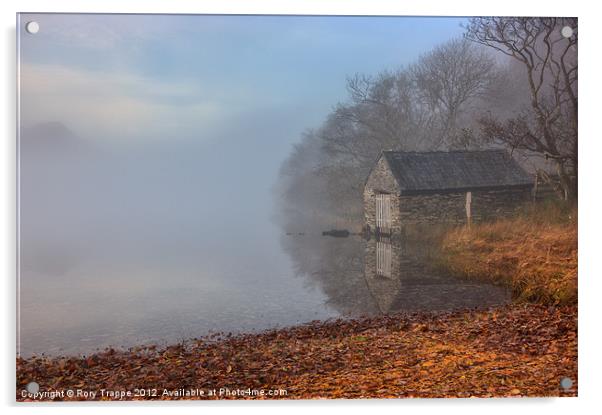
(384, 275)
(334, 266)
(400, 277)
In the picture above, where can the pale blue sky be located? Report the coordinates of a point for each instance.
(196, 75)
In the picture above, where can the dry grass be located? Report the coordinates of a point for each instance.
(535, 254)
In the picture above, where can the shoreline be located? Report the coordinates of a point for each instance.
(512, 350)
(525, 348)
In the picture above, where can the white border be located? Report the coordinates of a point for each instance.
(590, 152)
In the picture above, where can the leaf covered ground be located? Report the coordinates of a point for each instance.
(516, 350)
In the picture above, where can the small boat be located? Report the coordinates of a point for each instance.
(337, 233)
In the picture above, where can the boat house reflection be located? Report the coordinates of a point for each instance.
(399, 278)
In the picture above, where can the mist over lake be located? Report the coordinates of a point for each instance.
(144, 246)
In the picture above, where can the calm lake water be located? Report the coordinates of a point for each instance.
(228, 284)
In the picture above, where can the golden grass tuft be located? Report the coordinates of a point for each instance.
(535, 254)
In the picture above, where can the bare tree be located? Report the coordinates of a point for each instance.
(382, 113)
(448, 79)
(549, 59)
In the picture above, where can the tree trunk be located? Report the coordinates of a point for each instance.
(568, 183)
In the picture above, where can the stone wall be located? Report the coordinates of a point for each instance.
(451, 207)
(492, 204)
(434, 208)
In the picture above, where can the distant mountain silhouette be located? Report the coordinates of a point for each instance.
(50, 137)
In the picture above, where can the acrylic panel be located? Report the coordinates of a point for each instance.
(296, 207)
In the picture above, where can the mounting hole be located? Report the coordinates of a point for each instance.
(33, 387)
(32, 27)
(567, 31)
(566, 383)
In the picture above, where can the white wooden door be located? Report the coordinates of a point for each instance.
(383, 212)
(383, 259)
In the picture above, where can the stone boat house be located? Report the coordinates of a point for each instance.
(453, 187)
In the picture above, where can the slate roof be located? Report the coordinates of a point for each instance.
(436, 171)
